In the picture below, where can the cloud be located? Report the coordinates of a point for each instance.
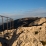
(40, 12)
(36, 13)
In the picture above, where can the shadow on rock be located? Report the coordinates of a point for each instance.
(14, 37)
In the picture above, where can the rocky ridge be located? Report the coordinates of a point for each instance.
(33, 35)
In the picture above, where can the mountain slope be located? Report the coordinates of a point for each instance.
(27, 32)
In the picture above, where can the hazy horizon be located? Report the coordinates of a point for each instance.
(23, 8)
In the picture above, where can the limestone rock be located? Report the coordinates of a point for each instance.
(32, 35)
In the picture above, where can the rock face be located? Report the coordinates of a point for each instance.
(0, 44)
(32, 35)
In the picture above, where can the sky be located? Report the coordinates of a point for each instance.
(23, 8)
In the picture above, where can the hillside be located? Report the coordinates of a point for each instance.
(27, 32)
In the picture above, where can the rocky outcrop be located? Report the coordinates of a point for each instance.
(31, 36)
(32, 33)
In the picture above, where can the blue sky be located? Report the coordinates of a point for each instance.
(23, 8)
